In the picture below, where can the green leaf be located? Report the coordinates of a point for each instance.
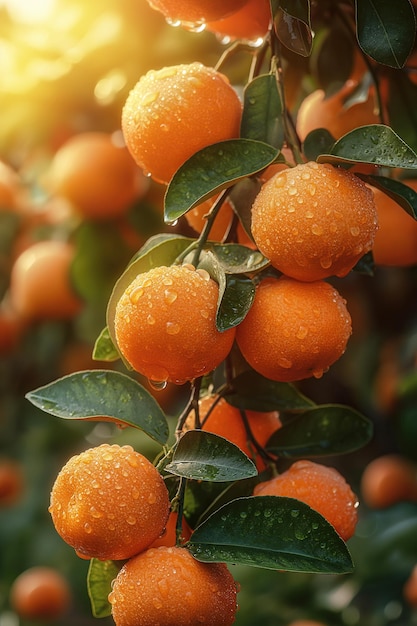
(325, 430)
(317, 142)
(401, 193)
(262, 117)
(254, 392)
(205, 456)
(401, 108)
(237, 299)
(102, 395)
(237, 259)
(104, 348)
(292, 25)
(271, 532)
(386, 30)
(157, 251)
(99, 578)
(212, 169)
(376, 143)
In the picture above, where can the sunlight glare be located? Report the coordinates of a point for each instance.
(34, 11)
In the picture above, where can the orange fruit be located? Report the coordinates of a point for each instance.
(294, 330)
(196, 218)
(11, 329)
(168, 586)
(165, 324)
(173, 112)
(40, 593)
(11, 482)
(169, 536)
(97, 175)
(332, 112)
(323, 488)
(109, 502)
(10, 187)
(395, 242)
(40, 283)
(226, 421)
(387, 480)
(314, 221)
(250, 23)
(410, 588)
(193, 13)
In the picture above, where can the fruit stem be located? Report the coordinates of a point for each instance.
(179, 498)
(252, 441)
(192, 404)
(211, 216)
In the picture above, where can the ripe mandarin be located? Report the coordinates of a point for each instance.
(167, 586)
(334, 113)
(314, 221)
(173, 112)
(226, 421)
(169, 536)
(294, 330)
(323, 488)
(249, 23)
(40, 282)
(97, 175)
(40, 594)
(193, 13)
(109, 502)
(387, 480)
(165, 324)
(395, 242)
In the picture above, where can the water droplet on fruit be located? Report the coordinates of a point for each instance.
(149, 98)
(302, 332)
(354, 231)
(292, 191)
(318, 373)
(284, 363)
(170, 296)
(316, 229)
(150, 320)
(87, 528)
(151, 498)
(131, 520)
(157, 385)
(204, 274)
(326, 262)
(172, 328)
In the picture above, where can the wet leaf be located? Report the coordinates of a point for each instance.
(318, 142)
(104, 348)
(205, 456)
(376, 143)
(99, 578)
(399, 191)
(159, 250)
(324, 430)
(253, 392)
(262, 117)
(103, 395)
(237, 259)
(271, 532)
(292, 25)
(386, 30)
(212, 169)
(238, 296)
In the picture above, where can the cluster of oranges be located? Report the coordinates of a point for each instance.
(110, 502)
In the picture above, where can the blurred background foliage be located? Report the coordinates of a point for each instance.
(67, 67)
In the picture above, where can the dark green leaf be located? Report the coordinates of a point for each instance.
(262, 117)
(401, 107)
(271, 532)
(104, 348)
(212, 169)
(159, 250)
(319, 141)
(401, 193)
(253, 392)
(324, 430)
(386, 30)
(332, 56)
(237, 259)
(204, 456)
(375, 143)
(236, 301)
(102, 395)
(99, 578)
(292, 25)
(365, 265)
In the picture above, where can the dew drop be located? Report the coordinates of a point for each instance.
(95, 513)
(172, 328)
(302, 332)
(354, 231)
(311, 189)
(204, 314)
(292, 191)
(151, 498)
(316, 229)
(318, 373)
(267, 513)
(170, 296)
(291, 209)
(295, 513)
(284, 363)
(131, 520)
(243, 515)
(149, 98)
(87, 528)
(309, 215)
(204, 274)
(157, 385)
(157, 602)
(326, 262)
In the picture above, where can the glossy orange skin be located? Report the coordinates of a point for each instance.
(173, 112)
(250, 23)
(194, 12)
(323, 488)
(294, 330)
(174, 589)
